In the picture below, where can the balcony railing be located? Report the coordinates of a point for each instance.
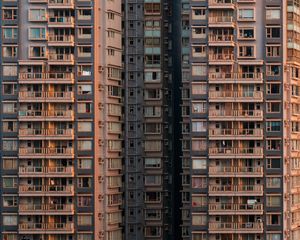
(237, 171)
(54, 132)
(46, 226)
(229, 207)
(57, 96)
(236, 113)
(46, 207)
(221, 19)
(217, 132)
(60, 57)
(46, 151)
(236, 189)
(240, 77)
(235, 151)
(219, 95)
(46, 170)
(42, 189)
(60, 38)
(61, 20)
(42, 76)
(44, 114)
(248, 226)
(221, 3)
(221, 57)
(220, 38)
(61, 3)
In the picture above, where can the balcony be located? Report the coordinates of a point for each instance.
(221, 59)
(46, 134)
(50, 77)
(62, 59)
(46, 97)
(236, 115)
(59, 152)
(51, 115)
(46, 209)
(64, 22)
(46, 171)
(227, 227)
(221, 4)
(236, 190)
(236, 171)
(237, 134)
(233, 96)
(42, 190)
(235, 209)
(60, 40)
(235, 152)
(221, 21)
(221, 40)
(43, 228)
(61, 4)
(229, 77)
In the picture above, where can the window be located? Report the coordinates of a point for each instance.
(86, 51)
(84, 236)
(198, 32)
(273, 107)
(273, 144)
(199, 144)
(152, 162)
(273, 236)
(37, 14)
(199, 107)
(273, 32)
(10, 236)
(37, 33)
(85, 126)
(9, 51)
(37, 52)
(273, 51)
(246, 14)
(9, 145)
(273, 219)
(84, 14)
(273, 70)
(84, 89)
(273, 126)
(84, 163)
(84, 201)
(273, 14)
(198, 89)
(10, 164)
(246, 33)
(9, 220)
(198, 219)
(199, 182)
(199, 201)
(199, 163)
(247, 51)
(9, 107)
(273, 88)
(10, 201)
(84, 182)
(84, 220)
(84, 70)
(84, 145)
(10, 182)
(152, 197)
(10, 70)
(199, 126)
(273, 182)
(199, 70)
(84, 107)
(273, 201)
(10, 33)
(9, 14)
(152, 77)
(199, 51)
(151, 180)
(198, 13)
(9, 89)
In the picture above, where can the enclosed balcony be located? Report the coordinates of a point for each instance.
(46, 190)
(60, 4)
(51, 152)
(58, 171)
(237, 134)
(231, 96)
(230, 227)
(235, 152)
(221, 4)
(236, 190)
(235, 209)
(29, 96)
(235, 115)
(44, 77)
(65, 59)
(221, 21)
(219, 171)
(48, 134)
(61, 21)
(51, 115)
(46, 209)
(45, 228)
(221, 58)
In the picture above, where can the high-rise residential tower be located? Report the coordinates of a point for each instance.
(61, 120)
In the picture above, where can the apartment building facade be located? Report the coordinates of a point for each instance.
(61, 120)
